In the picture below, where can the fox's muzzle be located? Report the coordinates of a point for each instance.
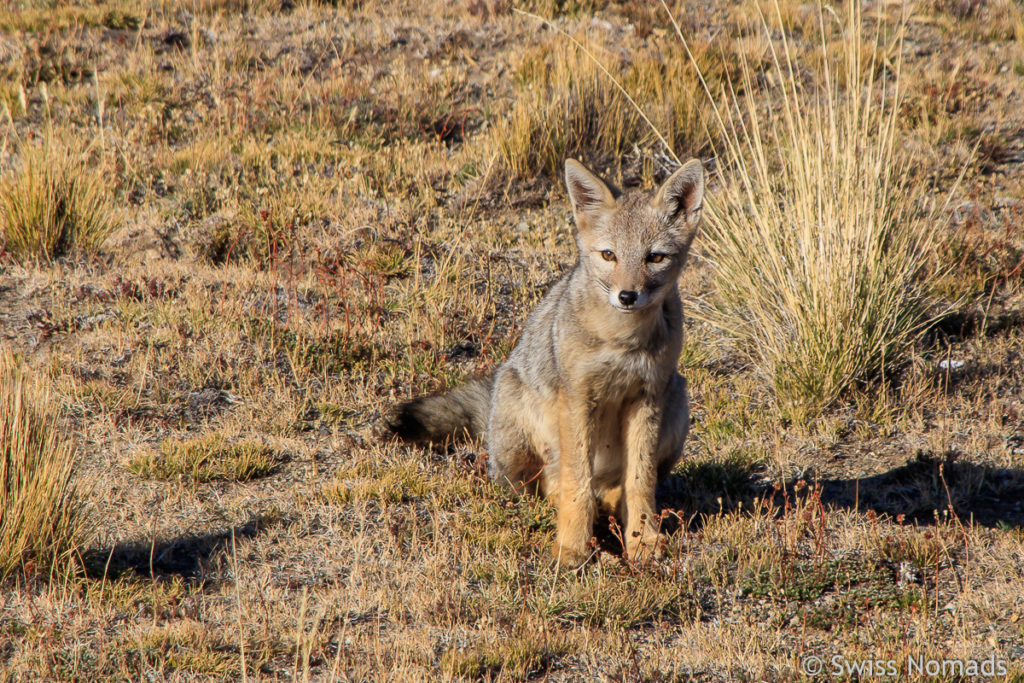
(628, 300)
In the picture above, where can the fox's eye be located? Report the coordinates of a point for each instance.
(608, 255)
(655, 257)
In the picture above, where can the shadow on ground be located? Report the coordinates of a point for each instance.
(922, 491)
(963, 324)
(182, 556)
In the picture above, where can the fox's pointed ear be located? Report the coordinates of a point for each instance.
(587, 192)
(681, 197)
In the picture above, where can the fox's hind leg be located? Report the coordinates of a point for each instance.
(512, 456)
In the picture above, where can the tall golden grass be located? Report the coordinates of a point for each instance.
(41, 521)
(573, 103)
(816, 236)
(53, 205)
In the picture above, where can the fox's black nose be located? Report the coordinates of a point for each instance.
(627, 297)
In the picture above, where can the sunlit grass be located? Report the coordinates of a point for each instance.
(53, 205)
(42, 525)
(817, 237)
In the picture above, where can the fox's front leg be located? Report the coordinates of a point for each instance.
(576, 502)
(642, 427)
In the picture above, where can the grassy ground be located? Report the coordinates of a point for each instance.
(322, 210)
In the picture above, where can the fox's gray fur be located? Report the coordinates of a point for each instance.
(589, 408)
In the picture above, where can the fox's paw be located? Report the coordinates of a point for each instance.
(571, 557)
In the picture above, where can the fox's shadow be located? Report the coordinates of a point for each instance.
(922, 491)
(184, 556)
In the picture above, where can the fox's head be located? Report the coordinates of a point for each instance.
(636, 244)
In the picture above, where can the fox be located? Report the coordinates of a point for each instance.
(589, 408)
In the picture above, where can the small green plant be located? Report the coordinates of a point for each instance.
(205, 459)
(53, 205)
(121, 20)
(387, 485)
(42, 525)
(524, 654)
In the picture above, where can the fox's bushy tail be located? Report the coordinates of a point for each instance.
(460, 412)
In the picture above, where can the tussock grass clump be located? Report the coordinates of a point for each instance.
(566, 107)
(569, 106)
(205, 459)
(519, 656)
(391, 485)
(816, 238)
(41, 521)
(53, 205)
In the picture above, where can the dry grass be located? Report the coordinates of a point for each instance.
(42, 521)
(631, 114)
(819, 235)
(53, 205)
(316, 220)
(204, 459)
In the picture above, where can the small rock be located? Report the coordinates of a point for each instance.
(122, 359)
(907, 575)
(463, 349)
(950, 364)
(87, 322)
(177, 39)
(204, 397)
